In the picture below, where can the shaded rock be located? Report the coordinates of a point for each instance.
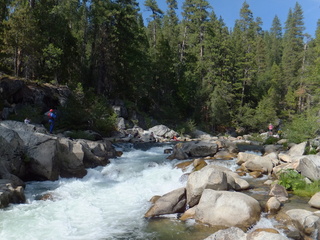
(73, 154)
(187, 150)
(30, 154)
(10, 194)
(189, 214)
(225, 155)
(278, 191)
(172, 202)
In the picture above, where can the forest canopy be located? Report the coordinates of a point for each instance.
(174, 69)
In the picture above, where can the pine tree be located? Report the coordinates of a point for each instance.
(216, 86)
(244, 44)
(195, 18)
(292, 59)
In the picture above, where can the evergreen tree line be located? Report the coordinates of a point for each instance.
(173, 69)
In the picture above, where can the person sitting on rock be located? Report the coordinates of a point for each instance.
(27, 121)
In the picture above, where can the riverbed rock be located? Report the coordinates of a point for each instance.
(273, 205)
(172, 202)
(182, 151)
(10, 194)
(307, 222)
(230, 209)
(212, 177)
(297, 149)
(232, 233)
(244, 157)
(265, 235)
(262, 164)
(278, 191)
(315, 200)
(163, 131)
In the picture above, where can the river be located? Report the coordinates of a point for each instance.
(107, 204)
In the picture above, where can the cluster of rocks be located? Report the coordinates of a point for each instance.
(216, 196)
(29, 153)
(158, 133)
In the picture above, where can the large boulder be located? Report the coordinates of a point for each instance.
(229, 209)
(262, 164)
(297, 149)
(254, 162)
(35, 155)
(309, 166)
(163, 131)
(212, 177)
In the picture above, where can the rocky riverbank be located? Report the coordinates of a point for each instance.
(216, 196)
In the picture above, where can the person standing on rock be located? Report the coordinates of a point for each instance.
(52, 116)
(270, 129)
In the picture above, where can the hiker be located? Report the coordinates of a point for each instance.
(52, 117)
(270, 128)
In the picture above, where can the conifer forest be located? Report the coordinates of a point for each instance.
(174, 67)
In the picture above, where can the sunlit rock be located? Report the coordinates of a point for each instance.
(224, 208)
(315, 200)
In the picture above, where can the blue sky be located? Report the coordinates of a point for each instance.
(229, 10)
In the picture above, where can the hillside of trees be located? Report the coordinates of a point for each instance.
(194, 68)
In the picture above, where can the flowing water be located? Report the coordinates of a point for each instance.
(108, 203)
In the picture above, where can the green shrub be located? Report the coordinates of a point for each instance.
(271, 140)
(293, 181)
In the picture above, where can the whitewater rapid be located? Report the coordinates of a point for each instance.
(108, 203)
